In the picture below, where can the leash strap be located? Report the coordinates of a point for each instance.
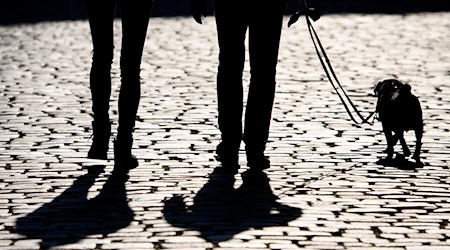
(331, 75)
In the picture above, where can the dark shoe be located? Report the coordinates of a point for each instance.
(228, 155)
(257, 161)
(100, 141)
(123, 159)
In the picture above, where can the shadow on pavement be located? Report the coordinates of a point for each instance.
(71, 217)
(400, 162)
(219, 211)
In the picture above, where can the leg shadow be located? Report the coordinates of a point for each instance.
(71, 217)
(400, 162)
(219, 211)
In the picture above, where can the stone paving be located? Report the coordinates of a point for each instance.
(326, 188)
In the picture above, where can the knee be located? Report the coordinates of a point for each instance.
(230, 71)
(232, 61)
(102, 59)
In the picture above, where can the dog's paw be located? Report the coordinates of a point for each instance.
(399, 157)
(390, 152)
(407, 153)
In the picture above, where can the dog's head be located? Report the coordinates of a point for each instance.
(388, 87)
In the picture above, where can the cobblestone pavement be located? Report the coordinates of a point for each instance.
(324, 190)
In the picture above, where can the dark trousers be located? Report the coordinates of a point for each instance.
(135, 18)
(263, 19)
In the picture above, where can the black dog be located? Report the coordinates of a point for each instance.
(399, 111)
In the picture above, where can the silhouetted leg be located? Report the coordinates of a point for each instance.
(418, 129)
(135, 19)
(405, 148)
(101, 17)
(389, 140)
(264, 39)
(419, 134)
(231, 30)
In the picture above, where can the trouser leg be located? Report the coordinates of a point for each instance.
(135, 19)
(231, 30)
(101, 17)
(264, 38)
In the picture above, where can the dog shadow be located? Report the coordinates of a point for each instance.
(219, 211)
(400, 162)
(71, 216)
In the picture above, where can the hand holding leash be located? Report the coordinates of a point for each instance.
(198, 9)
(304, 10)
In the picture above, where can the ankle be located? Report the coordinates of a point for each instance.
(123, 157)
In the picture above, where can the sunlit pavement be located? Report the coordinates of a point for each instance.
(325, 189)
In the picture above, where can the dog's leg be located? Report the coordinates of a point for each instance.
(405, 148)
(419, 134)
(390, 145)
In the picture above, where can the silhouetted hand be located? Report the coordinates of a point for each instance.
(311, 12)
(198, 9)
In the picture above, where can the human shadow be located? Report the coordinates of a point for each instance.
(71, 216)
(220, 211)
(400, 162)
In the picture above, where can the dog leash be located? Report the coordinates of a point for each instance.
(311, 13)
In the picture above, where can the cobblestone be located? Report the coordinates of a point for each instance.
(324, 190)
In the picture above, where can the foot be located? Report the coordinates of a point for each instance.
(416, 156)
(100, 141)
(390, 152)
(257, 161)
(406, 152)
(99, 150)
(123, 159)
(228, 156)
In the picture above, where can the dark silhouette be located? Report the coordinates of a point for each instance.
(135, 19)
(400, 162)
(20, 11)
(263, 19)
(399, 111)
(219, 211)
(71, 217)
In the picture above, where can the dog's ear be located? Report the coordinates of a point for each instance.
(378, 88)
(406, 88)
(381, 87)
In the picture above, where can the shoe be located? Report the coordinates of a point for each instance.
(228, 156)
(257, 161)
(123, 159)
(100, 141)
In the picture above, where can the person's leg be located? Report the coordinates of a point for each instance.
(135, 19)
(101, 17)
(231, 31)
(264, 39)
